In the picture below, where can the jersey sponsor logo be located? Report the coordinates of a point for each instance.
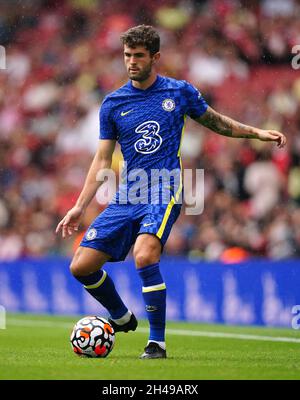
(168, 105)
(91, 234)
(150, 140)
(123, 113)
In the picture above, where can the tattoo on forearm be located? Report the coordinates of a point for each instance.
(224, 126)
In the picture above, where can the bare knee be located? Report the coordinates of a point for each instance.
(146, 256)
(147, 252)
(78, 267)
(86, 261)
(142, 259)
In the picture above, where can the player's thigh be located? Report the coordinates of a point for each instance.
(87, 260)
(147, 250)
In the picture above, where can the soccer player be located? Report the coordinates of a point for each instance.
(146, 116)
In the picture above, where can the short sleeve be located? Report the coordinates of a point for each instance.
(196, 105)
(107, 126)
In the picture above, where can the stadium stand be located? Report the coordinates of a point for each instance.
(64, 56)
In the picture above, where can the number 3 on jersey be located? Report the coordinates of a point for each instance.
(150, 140)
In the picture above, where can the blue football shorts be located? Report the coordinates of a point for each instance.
(115, 230)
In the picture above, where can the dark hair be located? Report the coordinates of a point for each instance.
(142, 35)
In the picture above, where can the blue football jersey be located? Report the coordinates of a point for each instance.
(149, 123)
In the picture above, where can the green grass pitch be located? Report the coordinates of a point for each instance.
(37, 347)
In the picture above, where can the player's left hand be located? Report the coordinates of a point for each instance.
(272, 136)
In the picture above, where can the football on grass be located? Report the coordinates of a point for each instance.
(92, 337)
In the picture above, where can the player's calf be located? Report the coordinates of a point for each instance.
(98, 283)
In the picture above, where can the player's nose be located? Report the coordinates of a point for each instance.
(132, 60)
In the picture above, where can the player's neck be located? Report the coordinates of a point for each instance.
(143, 85)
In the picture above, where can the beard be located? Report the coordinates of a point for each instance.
(141, 75)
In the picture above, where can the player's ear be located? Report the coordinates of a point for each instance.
(156, 57)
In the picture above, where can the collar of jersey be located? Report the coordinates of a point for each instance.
(154, 84)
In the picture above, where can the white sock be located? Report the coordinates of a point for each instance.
(123, 320)
(161, 344)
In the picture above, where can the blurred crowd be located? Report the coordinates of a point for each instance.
(63, 57)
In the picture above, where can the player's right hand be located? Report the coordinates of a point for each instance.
(272, 136)
(70, 222)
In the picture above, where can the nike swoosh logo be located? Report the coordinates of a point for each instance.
(123, 113)
(148, 224)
